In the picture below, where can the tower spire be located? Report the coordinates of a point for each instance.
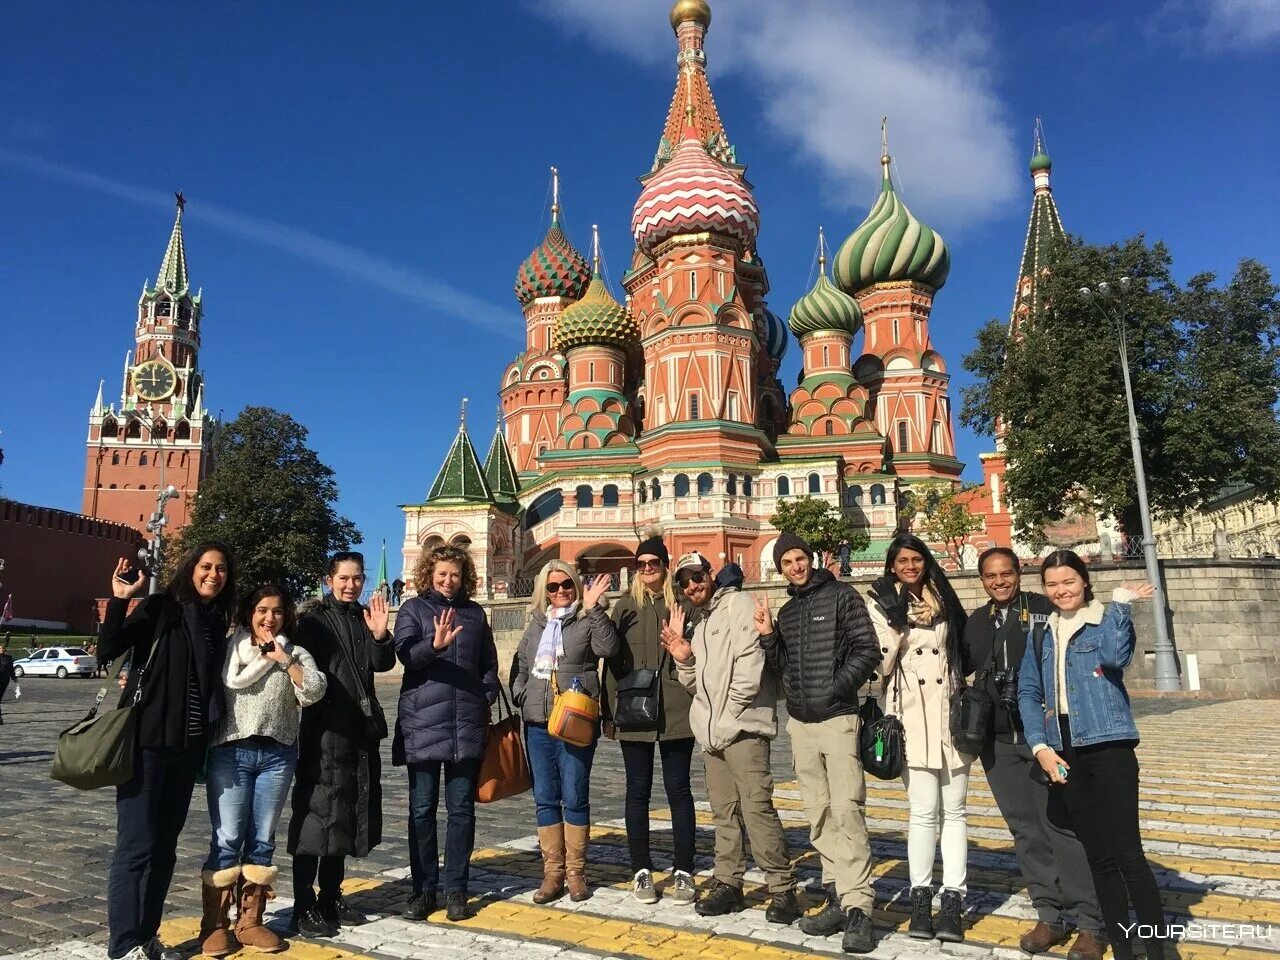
(173, 267)
(885, 158)
(555, 196)
(595, 249)
(98, 409)
(462, 417)
(1043, 228)
(822, 251)
(690, 20)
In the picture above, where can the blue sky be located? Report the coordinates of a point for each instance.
(363, 181)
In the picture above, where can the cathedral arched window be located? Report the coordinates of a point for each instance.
(877, 494)
(705, 484)
(585, 496)
(682, 485)
(829, 428)
(110, 428)
(815, 483)
(826, 355)
(731, 485)
(746, 485)
(159, 430)
(643, 492)
(182, 431)
(784, 486)
(656, 489)
(903, 432)
(134, 430)
(546, 506)
(115, 459)
(142, 460)
(853, 495)
(694, 412)
(609, 495)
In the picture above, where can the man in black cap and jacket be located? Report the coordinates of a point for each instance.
(824, 649)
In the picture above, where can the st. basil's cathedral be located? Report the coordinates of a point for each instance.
(666, 410)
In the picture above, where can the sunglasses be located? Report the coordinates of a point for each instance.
(560, 585)
(693, 578)
(648, 564)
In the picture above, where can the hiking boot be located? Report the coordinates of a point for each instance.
(830, 919)
(783, 908)
(1088, 946)
(721, 899)
(683, 891)
(642, 887)
(1042, 937)
(456, 907)
(421, 906)
(340, 913)
(921, 926)
(949, 929)
(313, 923)
(859, 934)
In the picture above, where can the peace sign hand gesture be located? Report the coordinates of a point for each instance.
(763, 618)
(446, 632)
(375, 616)
(593, 590)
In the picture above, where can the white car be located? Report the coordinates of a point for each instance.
(60, 662)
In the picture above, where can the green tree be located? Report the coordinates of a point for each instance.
(270, 499)
(947, 518)
(1205, 382)
(819, 523)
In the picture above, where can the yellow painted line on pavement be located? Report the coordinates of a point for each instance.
(1188, 793)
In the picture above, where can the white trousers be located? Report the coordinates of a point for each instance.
(934, 794)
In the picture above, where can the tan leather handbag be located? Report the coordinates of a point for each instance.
(574, 715)
(504, 769)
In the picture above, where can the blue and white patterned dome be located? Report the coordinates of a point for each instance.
(775, 335)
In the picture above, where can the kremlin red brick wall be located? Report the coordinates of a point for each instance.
(57, 562)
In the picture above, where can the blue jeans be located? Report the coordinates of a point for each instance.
(460, 836)
(561, 777)
(247, 783)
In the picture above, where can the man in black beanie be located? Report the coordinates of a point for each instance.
(824, 648)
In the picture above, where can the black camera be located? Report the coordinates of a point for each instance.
(1005, 683)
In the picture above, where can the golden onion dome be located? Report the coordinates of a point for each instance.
(683, 10)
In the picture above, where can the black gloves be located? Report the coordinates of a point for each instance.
(892, 599)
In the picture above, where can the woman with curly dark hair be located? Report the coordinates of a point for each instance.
(920, 623)
(450, 681)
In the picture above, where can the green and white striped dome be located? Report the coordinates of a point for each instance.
(825, 307)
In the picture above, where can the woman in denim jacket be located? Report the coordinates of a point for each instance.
(1075, 711)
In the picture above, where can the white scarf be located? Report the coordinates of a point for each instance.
(551, 645)
(246, 664)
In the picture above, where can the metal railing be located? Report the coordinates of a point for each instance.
(1219, 545)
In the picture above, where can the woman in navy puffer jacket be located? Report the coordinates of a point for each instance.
(450, 681)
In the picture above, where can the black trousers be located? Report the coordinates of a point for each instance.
(1100, 801)
(677, 756)
(151, 810)
(331, 872)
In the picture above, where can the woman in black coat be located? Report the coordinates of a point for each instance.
(450, 681)
(337, 789)
(175, 642)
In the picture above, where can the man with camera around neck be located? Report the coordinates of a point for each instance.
(1051, 859)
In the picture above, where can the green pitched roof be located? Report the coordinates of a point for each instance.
(1043, 228)
(173, 267)
(381, 577)
(499, 471)
(460, 480)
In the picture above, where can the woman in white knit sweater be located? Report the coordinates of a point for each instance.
(253, 752)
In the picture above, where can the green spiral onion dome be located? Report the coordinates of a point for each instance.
(554, 269)
(825, 307)
(1040, 162)
(596, 318)
(891, 245)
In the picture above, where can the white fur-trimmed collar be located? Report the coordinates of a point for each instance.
(246, 665)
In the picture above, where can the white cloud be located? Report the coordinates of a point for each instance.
(826, 73)
(337, 257)
(1218, 26)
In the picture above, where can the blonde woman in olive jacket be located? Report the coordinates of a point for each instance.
(568, 633)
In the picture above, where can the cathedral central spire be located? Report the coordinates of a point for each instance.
(690, 20)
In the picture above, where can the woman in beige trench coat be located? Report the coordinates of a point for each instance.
(919, 622)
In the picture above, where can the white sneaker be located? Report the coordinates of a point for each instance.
(158, 951)
(642, 887)
(684, 891)
(137, 953)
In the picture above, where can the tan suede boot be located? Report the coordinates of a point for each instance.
(576, 840)
(255, 891)
(218, 892)
(551, 840)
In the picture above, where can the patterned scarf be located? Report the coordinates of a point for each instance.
(551, 646)
(926, 610)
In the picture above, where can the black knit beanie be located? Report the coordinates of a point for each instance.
(655, 547)
(787, 542)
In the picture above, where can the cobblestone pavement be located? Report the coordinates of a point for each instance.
(1211, 798)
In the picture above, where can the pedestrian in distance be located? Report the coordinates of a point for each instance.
(569, 632)
(639, 617)
(920, 623)
(7, 674)
(1051, 858)
(845, 553)
(253, 753)
(176, 641)
(734, 718)
(337, 787)
(450, 682)
(1075, 711)
(823, 649)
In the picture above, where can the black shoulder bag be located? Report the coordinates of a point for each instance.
(973, 710)
(882, 740)
(638, 700)
(375, 721)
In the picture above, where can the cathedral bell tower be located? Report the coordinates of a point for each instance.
(160, 434)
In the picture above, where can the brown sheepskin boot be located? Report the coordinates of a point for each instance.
(551, 840)
(218, 892)
(255, 891)
(576, 840)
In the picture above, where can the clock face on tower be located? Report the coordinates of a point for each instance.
(154, 380)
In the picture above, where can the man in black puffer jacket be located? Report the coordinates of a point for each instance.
(824, 649)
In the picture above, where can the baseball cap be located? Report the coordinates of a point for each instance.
(692, 561)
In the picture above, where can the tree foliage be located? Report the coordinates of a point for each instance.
(947, 518)
(819, 523)
(1206, 381)
(271, 500)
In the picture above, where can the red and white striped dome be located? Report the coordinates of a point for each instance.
(693, 193)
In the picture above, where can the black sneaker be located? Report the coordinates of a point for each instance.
(830, 919)
(949, 928)
(784, 907)
(859, 933)
(312, 922)
(339, 912)
(420, 906)
(921, 927)
(456, 907)
(721, 899)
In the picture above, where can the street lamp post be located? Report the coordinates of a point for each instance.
(150, 555)
(1167, 676)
